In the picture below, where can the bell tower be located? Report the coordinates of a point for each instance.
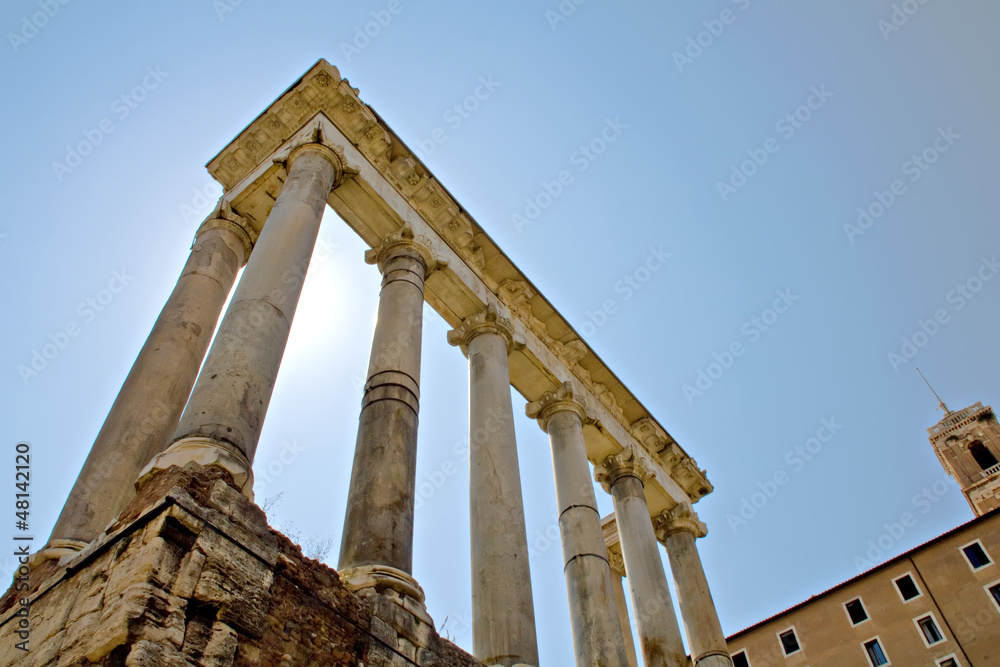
(967, 442)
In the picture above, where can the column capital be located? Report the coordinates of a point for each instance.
(223, 217)
(629, 462)
(487, 320)
(318, 146)
(681, 517)
(617, 562)
(405, 242)
(567, 398)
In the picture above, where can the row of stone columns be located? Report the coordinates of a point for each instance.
(150, 429)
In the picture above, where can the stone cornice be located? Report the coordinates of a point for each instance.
(567, 398)
(487, 320)
(396, 188)
(405, 241)
(681, 517)
(629, 462)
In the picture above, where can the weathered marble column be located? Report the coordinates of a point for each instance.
(597, 633)
(150, 401)
(503, 615)
(617, 564)
(222, 421)
(624, 476)
(677, 529)
(377, 546)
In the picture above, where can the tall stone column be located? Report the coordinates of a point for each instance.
(677, 529)
(503, 615)
(377, 546)
(150, 401)
(597, 633)
(617, 564)
(222, 421)
(624, 476)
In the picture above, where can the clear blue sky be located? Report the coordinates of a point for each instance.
(879, 97)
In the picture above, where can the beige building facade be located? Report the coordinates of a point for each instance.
(937, 605)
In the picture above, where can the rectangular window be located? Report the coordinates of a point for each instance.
(856, 611)
(994, 592)
(876, 656)
(950, 661)
(976, 555)
(740, 659)
(789, 642)
(907, 588)
(929, 630)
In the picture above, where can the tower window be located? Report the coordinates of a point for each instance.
(976, 555)
(789, 642)
(950, 661)
(983, 456)
(929, 630)
(876, 655)
(856, 611)
(907, 588)
(740, 659)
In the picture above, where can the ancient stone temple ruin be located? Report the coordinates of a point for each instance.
(160, 556)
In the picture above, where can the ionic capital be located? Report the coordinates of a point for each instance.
(405, 243)
(317, 146)
(567, 398)
(617, 563)
(681, 517)
(629, 462)
(223, 217)
(487, 320)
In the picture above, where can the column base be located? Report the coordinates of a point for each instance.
(204, 452)
(56, 550)
(381, 577)
(714, 659)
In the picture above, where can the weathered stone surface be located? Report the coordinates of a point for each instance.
(194, 577)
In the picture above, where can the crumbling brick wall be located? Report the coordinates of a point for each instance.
(191, 574)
